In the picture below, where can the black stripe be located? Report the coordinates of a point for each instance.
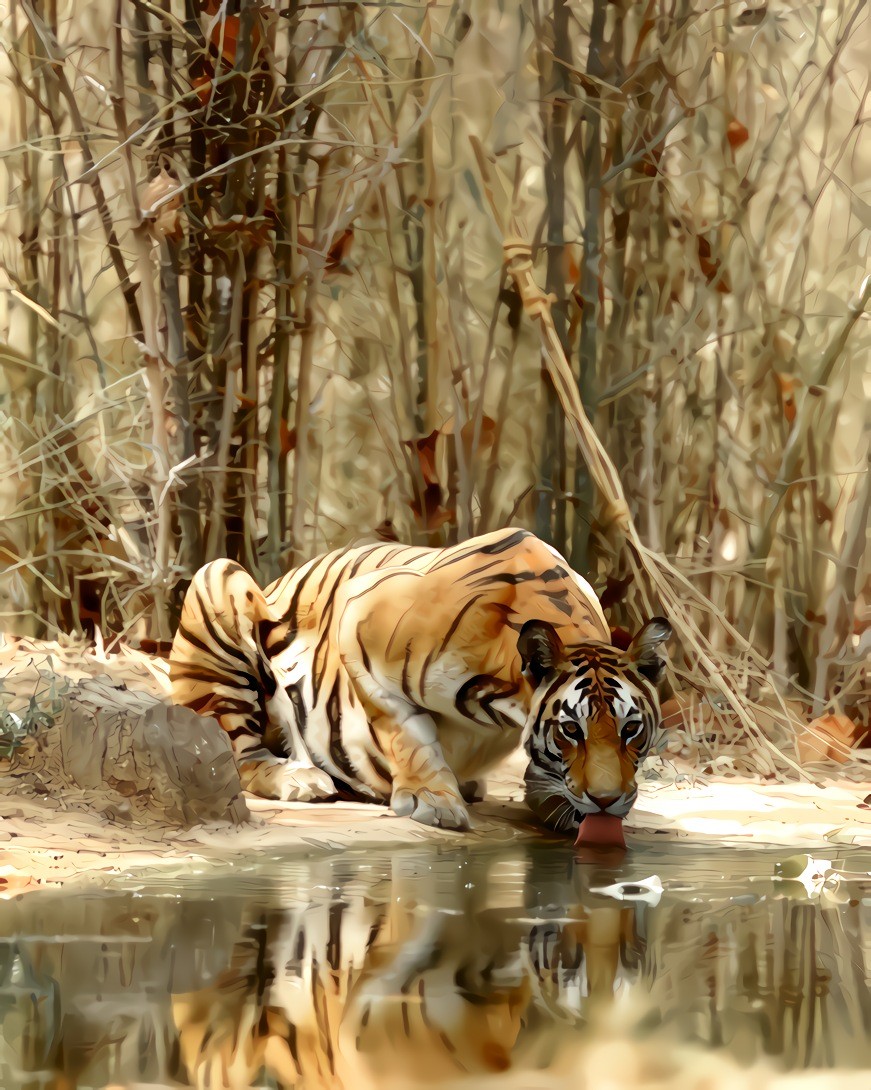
(293, 1046)
(290, 613)
(186, 634)
(551, 575)
(374, 931)
(333, 560)
(389, 556)
(324, 622)
(338, 753)
(334, 944)
(489, 566)
(557, 598)
(229, 649)
(506, 543)
(281, 644)
(385, 575)
(238, 732)
(358, 563)
(376, 759)
(229, 567)
(321, 655)
(213, 677)
(220, 705)
(455, 624)
(455, 558)
(294, 693)
(268, 684)
(367, 663)
(406, 688)
(480, 691)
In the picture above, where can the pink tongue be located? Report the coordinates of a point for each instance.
(601, 831)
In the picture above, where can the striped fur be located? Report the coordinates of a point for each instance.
(393, 672)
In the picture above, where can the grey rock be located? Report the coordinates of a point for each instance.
(131, 756)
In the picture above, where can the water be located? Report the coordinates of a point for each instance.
(434, 967)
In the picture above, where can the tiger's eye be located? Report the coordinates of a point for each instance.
(571, 729)
(630, 731)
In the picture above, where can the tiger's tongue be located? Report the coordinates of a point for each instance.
(601, 831)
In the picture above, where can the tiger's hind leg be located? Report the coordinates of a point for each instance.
(217, 668)
(282, 778)
(296, 777)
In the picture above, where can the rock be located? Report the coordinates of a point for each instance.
(129, 755)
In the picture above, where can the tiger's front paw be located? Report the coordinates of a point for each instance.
(439, 809)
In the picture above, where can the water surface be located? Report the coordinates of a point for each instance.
(435, 967)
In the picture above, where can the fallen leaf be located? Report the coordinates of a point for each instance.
(830, 737)
(736, 134)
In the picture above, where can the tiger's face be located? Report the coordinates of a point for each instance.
(594, 716)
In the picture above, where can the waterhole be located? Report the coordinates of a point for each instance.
(517, 967)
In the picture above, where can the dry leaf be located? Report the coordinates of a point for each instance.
(165, 220)
(736, 134)
(834, 736)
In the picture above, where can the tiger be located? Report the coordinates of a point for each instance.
(402, 674)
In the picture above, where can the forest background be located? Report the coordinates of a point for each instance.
(254, 302)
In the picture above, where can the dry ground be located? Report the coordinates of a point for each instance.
(56, 834)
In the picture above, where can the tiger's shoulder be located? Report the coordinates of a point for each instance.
(464, 607)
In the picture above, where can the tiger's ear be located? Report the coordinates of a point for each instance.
(540, 648)
(644, 653)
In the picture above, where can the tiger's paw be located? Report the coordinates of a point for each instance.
(288, 781)
(304, 783)
(439, 810)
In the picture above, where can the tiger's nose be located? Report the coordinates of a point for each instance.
(603, 804)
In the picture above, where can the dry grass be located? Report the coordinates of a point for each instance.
(257, 304)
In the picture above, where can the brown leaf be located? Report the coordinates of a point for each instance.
(786, 389)
(736, 134)
(615, 591)
(621, 637)
(833, 733)
(225, 37)
(486, 434)
(203, 87)
(385, 531)
(165, 219)
(710, 266)
(430, 513)
(339, 251)
(425, 448)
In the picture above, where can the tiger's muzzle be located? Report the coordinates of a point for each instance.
(617, 806)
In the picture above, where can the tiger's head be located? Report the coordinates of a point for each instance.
(594, 715)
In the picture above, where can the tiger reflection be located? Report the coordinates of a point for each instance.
(356, 993)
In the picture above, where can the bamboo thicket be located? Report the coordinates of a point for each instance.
(255, 304)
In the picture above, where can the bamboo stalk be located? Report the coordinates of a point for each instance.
(670, 587)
